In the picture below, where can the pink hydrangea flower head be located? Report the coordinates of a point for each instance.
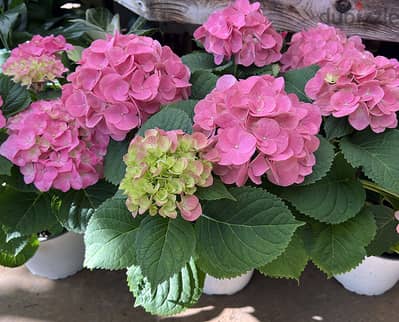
(52, 150)
(3, 120)
(164, 169)
(122, 80)
(361, 87)
(255, 128)
(37, 60)
(318, 45)
(242, 31)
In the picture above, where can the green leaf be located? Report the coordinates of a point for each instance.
(376, 154)
(17, 251)
(245, 72)
(77, 206)
(165, 246)
(185, 106)
(15, 17)
(198, 60)
(181, 291)
(203, 82)
(324, 159)
(5, 167)
(215, 192)
(110, 237)
(337, 197)
(114, 167)
(337, 249)
(16, 181)
(26, 213)
(295, 81)
(168, 119)
(75, 54)
(100, 17)
(386, 236)
(234, 237)
(16, 97)
(337, 127)
(291, 263)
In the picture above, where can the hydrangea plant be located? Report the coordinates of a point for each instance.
(234, 158)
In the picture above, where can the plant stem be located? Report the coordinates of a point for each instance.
(368, 185)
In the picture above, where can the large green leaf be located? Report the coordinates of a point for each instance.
(176, 294)
(15, 17)
(386, 235)
(16, 97)
(291, 263)
(337, 197)
(339, 248)
(164, 246)
(26, 213)
(203, 82)
(215, 192)
(236, 236)
(324, 159)
(5, 167)
(295, 81)
(168, 119)
(114, 167)
(17, 251)
(77, 206)
(100, 17)
(377, 154)
(198, 60)
(186, 106)
(337, 127)
(110, 237)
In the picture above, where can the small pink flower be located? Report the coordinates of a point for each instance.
(240, 30)
(190, 207)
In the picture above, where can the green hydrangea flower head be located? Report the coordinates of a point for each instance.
(163, 171)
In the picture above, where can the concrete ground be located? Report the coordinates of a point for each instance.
(102, 296)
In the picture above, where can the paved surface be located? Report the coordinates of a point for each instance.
(102, 296)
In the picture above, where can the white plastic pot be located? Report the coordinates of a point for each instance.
(226, 286)
(58, 257)
(374, 276)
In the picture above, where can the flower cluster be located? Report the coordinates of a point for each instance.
(317, 46)
(258, 129)
(122, 80)
(36, 61)
(51, 150)
(361, 87)
(243, 31)
(163, 172)
(3, 120)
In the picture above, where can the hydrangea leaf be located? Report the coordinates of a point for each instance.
(295, 81)
(236, 236)
(5, 166)
(110, 237)
(215, 192)
(26, 213)
(203, 82)
(337, 197)
(15, 97)
(17, 251)
(291, 263)
(198, 61)
(339, 248)
(164, 246)
(77, 206)
(172, 296)
(376, 154)
(337, 127)
(114, 167)
(168, 119)
(324, 159)
(386, 235)
(185, 106)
